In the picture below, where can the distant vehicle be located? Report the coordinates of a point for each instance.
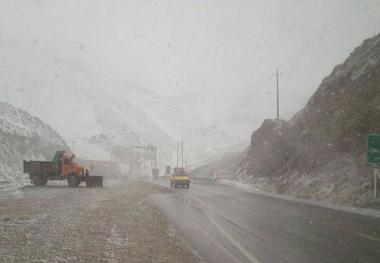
(62, 167)
(180, 177)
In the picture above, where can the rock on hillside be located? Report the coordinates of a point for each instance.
(222, 168)
(23, 136)
(321, 152)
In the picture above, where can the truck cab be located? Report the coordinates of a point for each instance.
(68, 165)
(180, 177)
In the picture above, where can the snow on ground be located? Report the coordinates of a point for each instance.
(252, 189)
(23, 137)
(116, 223)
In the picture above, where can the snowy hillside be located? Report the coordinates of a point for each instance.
(71, 99)
(95, 111)
(202, 141)
(23, 137)
(321, 152)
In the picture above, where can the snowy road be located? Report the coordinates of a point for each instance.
(223, 224)
(226, 224)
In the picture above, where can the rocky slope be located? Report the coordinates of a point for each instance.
(223, 168)
(23, 136)
(321, 152)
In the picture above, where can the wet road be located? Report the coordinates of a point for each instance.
(225, 224)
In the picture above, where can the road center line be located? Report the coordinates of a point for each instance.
(236, 243)
(232, 240)
(216, 243)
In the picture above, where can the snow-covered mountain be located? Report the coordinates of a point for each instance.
(23, 137)
(95, 111)
(202, 141)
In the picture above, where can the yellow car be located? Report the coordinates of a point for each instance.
(179, 177)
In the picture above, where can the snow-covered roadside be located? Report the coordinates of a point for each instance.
(252, 189)
(11, 181)
(23, 137)
(12, 189)
(116, 223)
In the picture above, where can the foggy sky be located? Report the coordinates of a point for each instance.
(215, 59)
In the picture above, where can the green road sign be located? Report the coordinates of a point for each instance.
(373, 156)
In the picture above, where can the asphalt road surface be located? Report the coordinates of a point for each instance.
(225, 224)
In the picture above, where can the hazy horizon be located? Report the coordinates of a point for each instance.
(214, 60)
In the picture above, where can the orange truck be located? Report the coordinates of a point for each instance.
(62, 167)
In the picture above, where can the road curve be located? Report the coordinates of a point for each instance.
(226, 224)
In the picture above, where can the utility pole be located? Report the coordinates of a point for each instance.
(30, 101)
(177, 153)
(155, 158)
(30, 105)
(72, 142)
(278, 93)
(7, 93)
(182, 152)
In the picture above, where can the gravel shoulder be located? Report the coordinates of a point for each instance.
(117, 223)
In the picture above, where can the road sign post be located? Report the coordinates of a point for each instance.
(375, 184)
(373, 158)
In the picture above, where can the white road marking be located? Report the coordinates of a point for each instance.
(236, 243)
(217, 243)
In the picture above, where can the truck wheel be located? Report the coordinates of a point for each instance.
(39, 180)
(43, 180)
(73, 180)
(94, 181)
(88, 183)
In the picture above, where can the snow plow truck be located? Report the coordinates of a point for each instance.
(62, 167)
